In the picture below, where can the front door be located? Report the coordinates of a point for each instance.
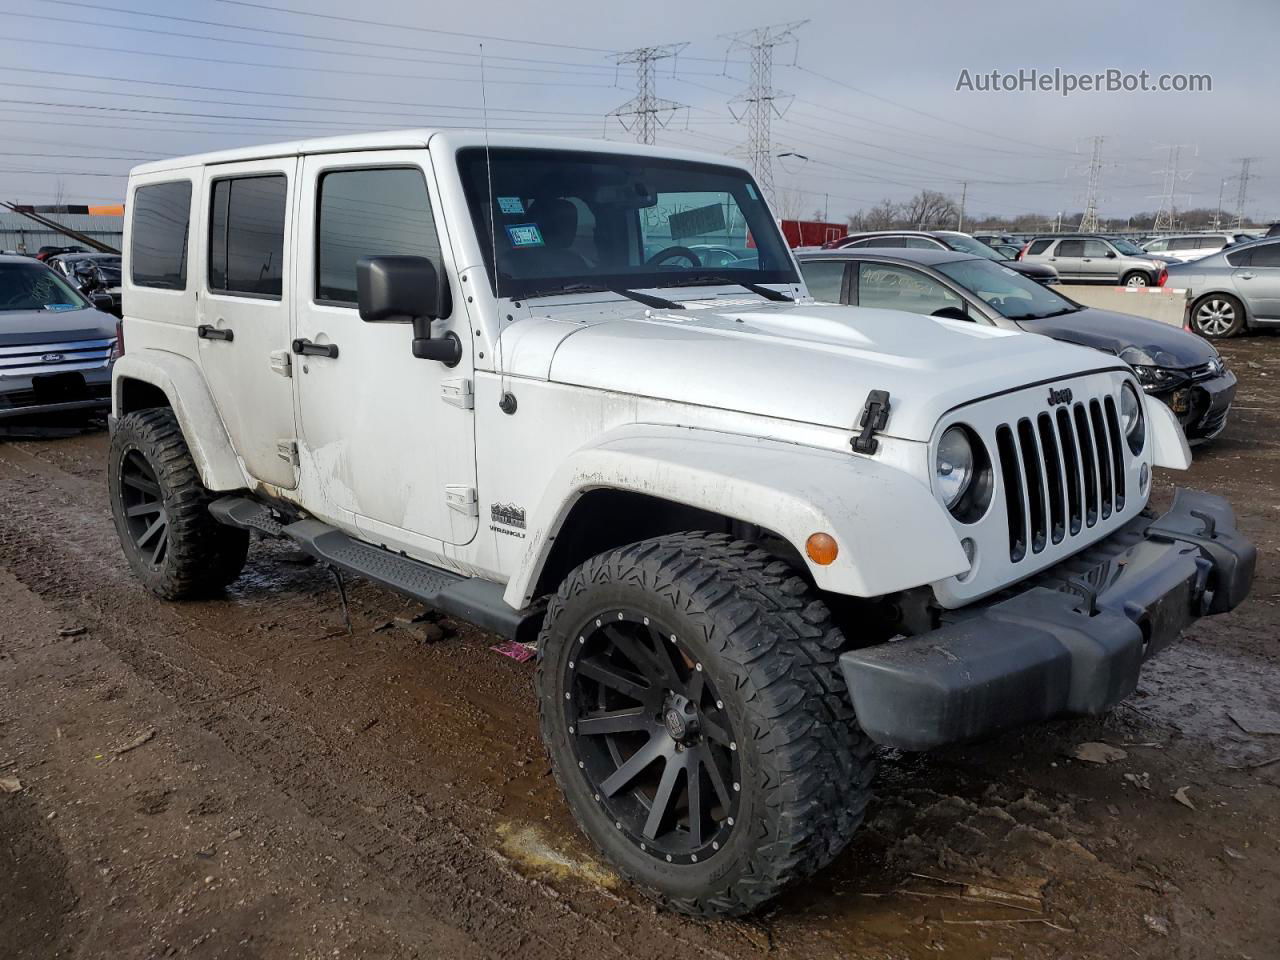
(386, 441)
(1259, 281)
(245, 224)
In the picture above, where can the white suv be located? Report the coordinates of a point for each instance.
(451, 367)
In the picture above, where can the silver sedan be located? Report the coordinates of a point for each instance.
(1232, 291)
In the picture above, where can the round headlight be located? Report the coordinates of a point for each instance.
(1132, 422)
(954, 465)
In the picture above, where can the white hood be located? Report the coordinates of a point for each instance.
(811, 363)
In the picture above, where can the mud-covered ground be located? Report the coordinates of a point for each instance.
(242, 778)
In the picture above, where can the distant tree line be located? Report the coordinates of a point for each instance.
(931, 210)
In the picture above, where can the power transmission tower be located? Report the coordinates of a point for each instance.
(1242, 194)
(759, 102)
(646, 111)
(1217, 217)
(1089, 220)
(1168, 211)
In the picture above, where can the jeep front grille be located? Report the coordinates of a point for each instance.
(1062, 472)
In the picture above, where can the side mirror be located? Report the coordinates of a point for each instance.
(407, 289)
(950, 313)
(103, 302)
(1111, 254)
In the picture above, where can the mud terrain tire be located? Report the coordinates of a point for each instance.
(741, 625)
(161, 511)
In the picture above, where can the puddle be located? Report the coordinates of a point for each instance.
(530, 847)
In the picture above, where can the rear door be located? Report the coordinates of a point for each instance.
(1068, 258)
(244, 308)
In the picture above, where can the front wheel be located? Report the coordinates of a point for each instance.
(1217, 316)
(697, 722)
(1135, 278)
(161, 510)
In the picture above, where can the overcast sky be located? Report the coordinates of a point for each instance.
(875, 110)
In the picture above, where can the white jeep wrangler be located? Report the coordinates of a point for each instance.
(576, 391)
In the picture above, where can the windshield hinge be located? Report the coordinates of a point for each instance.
(875, 415)
(458, 393)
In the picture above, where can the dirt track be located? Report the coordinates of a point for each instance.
(241, 778)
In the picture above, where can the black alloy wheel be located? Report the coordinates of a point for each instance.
(652, 737)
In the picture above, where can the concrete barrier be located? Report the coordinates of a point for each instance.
(1166, 304)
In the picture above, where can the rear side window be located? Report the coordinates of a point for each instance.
(824, 278)
(1266, 255)
(161, 218)
(369, 213)
(1071, 248)
(1038, 246)
(246, 235)
(1186, 243)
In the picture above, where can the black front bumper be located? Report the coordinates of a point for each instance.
(1202, 406)
(1071, 641)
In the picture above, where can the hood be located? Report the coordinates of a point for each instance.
(1150, 342)
(810, 363)
(22, 327)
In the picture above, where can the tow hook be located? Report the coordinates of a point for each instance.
(875, 414)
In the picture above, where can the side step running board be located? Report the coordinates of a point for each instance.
(474, 600)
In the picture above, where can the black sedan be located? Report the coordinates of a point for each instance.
(940, 240)
(1178, 367)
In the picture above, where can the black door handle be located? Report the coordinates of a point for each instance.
(308, 349)
(207, 332)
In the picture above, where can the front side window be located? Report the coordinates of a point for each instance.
(824, 278)
(901, 288)
(33, 286)
(246, 235)
(1010, 293)
(369, 213)
(1095, 248)
(560, 221)
(161, 215)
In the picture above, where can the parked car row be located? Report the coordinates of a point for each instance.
(940, 240)
(1178, 367)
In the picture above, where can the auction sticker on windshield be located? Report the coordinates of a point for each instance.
(525, 235)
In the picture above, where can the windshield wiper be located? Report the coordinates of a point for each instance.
(755, 288)
(646, 299)
(1044, 316)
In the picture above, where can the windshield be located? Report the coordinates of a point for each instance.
(33, 286)
(571, 221)
(967, 244)
(1126, 247)
(1007, 291)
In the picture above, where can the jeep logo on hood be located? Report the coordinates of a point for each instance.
(1059, 396)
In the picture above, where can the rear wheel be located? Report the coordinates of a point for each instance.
(1217, 316)
(697, 721)
(161, 510)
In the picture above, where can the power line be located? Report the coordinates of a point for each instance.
(760, 100)
(646, 109)
(365, 22)
(297, 67)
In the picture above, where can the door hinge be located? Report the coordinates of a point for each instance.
(462, 498)
(875, 416)
(458, 393)
(287, 450)
(282, 363)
